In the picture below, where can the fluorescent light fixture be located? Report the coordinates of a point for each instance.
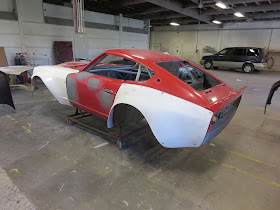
(221, 5)
(216, 22)
(174, 24)
(238, 14)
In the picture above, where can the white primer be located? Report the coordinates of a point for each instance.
(174, 122)
(16, 70)
(54, 78)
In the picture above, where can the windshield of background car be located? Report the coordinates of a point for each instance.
(189, 74)
(120, 68)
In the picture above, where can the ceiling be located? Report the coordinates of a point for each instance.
(162, 12)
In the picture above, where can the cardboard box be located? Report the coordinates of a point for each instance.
(3, 58)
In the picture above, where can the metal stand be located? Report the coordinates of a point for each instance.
(79, 114)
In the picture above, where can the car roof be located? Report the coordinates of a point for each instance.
(147, 55)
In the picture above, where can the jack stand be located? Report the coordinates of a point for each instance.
(79, 114)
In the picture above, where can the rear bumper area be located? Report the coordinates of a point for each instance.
(260, 66)
(223, 117)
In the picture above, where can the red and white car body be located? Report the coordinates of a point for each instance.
(184, 105)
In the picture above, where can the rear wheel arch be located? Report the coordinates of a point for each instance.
(123, 113)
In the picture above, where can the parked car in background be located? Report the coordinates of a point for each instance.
(248, 59)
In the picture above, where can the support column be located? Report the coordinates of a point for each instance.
(147, 29)
(20, 26)
(120, 30)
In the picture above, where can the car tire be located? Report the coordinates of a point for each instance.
(208, 64)
(248, 68)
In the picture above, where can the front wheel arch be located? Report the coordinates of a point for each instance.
(208, 64)
(34, 82)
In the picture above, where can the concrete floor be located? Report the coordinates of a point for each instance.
(58, 166)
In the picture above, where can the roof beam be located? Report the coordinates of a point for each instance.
(177, 7)
(243, 9)
(146, 11)
(203, 2)
(161, 17)
(241, 1)
(130, 2)
(268, 15)
(167, 22)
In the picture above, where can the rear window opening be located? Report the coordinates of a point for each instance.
(192, 76)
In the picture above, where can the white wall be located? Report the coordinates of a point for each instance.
(6, 5)
(30, 34)
(188, 41)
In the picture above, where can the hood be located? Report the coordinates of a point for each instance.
(16, 70)
(208, 49)
(75, 65)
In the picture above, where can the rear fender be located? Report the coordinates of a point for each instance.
(174, 122)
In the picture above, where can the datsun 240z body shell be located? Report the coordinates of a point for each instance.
(178, 114)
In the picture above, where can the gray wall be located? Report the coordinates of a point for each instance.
(31, 33)
(188, 41)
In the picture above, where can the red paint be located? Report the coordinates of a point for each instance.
(75, 65)
(162, 81)
(89, 98)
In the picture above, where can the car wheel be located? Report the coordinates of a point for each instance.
(248, 68)
(208, 64)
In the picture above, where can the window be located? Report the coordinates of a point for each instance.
(120, 68)
(252, 52)
(228, 51)
(189, 74)
(239, 51)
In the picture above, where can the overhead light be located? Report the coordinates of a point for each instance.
(216, 22)
(221, 5)
(174, 24)
(238, 14)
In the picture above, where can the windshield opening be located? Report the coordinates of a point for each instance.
(120, 68)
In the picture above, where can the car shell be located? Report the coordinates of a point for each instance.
(178, 115)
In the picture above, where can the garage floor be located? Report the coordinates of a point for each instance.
(58, 166)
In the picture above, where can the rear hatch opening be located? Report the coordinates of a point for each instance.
(189, 74)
